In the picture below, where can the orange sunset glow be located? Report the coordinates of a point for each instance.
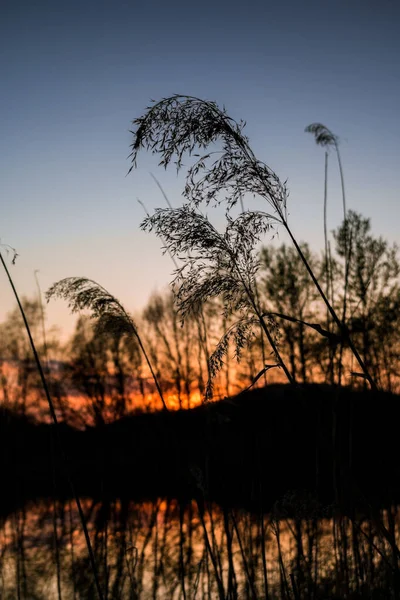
(199, 300)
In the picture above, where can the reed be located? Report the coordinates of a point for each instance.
(183, 125)
(55, 421)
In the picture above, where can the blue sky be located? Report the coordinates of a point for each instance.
(75, 74)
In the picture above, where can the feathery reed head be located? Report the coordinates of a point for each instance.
(10, 250)
(240, 334)
(180, 125)
(214, 264)
(323, 136)
(82, 293)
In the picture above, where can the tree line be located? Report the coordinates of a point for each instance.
(98, 377)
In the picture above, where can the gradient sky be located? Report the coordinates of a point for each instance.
(75, 74)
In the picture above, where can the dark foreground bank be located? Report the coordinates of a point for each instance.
(299, 448)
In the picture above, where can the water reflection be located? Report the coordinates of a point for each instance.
(163, 549)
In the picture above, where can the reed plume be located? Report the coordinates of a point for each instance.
(82, 293)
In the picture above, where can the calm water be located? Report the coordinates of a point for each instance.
(161, 550)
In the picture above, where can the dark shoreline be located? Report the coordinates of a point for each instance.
(266, 446)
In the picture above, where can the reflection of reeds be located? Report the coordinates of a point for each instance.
(220, 552)
(146, 550)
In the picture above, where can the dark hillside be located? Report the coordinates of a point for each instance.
(248, 451)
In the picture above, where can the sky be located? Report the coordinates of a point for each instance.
(75, 74)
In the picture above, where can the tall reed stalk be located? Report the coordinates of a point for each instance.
(58, 437)
(180, 125)
(326, 138)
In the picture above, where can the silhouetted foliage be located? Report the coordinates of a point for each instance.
(288, 491)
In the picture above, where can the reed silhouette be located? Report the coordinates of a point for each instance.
(213, 448)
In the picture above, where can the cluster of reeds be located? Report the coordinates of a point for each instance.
(219, 553)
